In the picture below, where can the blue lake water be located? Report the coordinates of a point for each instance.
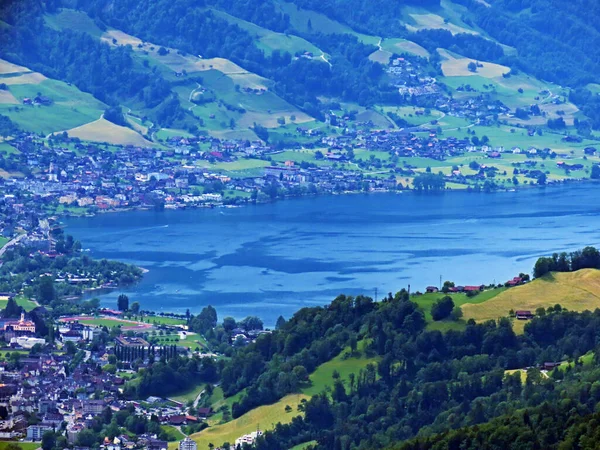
(273, 259)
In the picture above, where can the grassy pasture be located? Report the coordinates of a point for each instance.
(576, 291)
(380, 56)
(70, 107)
(268, 40)
(265, 417)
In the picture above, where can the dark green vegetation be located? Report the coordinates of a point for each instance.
(176, 375)
(566, 425)
(588, 258)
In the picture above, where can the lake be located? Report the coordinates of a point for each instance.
(273, 259)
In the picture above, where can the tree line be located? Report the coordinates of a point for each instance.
(587, 258)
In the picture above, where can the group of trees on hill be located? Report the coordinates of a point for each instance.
(588, 258)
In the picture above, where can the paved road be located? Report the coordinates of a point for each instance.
(11, 243)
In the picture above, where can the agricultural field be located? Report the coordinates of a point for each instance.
(102, 130)
(576, 291)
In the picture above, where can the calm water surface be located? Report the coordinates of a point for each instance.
(273, 259)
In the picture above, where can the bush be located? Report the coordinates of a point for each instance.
(442, 308)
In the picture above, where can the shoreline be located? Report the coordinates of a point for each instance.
(451, 191)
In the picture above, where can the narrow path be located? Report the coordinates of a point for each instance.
(191, 94)
(325, 59)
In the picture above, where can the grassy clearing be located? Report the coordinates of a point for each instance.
(433, 21)
(27, 304)
(73, 20)
(7, 98)
(576, 291)
(322, 377)
(102, 130)
(189, 395)
(585, 360)
(299, 20)
(381, 56)
(400, 46)
(460, 299)
(174, 435)
(304, 445)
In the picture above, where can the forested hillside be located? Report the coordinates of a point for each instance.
(423, 382)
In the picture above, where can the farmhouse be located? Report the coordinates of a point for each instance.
(431, 289)
(473, 288)
(524, 315)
